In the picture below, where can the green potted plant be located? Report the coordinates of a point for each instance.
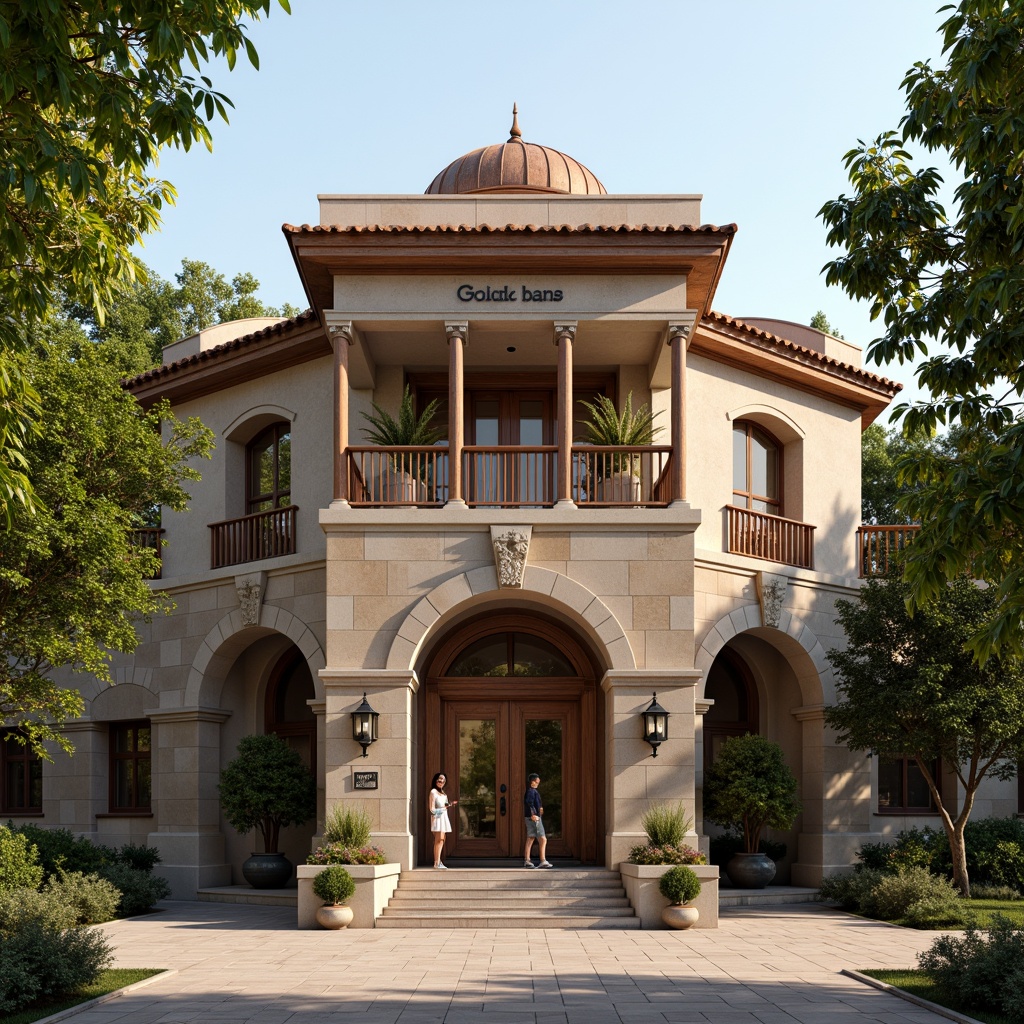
(400, 478)
(266, 787)
(750, 787)
(335, 886)
(618, 473)
(680, 886)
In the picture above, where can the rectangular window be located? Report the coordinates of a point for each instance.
(21, 776)
(902, 788)
(130, 780)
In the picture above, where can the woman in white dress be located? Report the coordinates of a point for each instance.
(437, 808)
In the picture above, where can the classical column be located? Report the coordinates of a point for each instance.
(457, 334)
(678, 335)
(341, 338)
(565, 333)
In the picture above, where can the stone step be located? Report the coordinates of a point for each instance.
(511, 921)
(545, 883)
(246, 894)
(450, 902)
(772, 896)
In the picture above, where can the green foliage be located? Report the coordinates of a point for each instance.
(730, 842)
(19, 906)
(72, 584)
(606, 427)
(995, 893)
(93, 899)
(946, 286)
(750, 785)
(19, 862)
(912, 848)
(39, 963)
(266, 787)
(141, 858)
(908, 686)
(916, 896)
(820, 323)
(334, 885)
(670, 853)
(91, 92)
(138, 889)
(980, 970)
(347, 826)
(408, 429)
(339, 853)
(679, 885)
(666, 825)
(884, 485)
(60, 850)
(851, 890)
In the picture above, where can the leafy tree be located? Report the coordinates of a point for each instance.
(820, 323)
(90, 92)
(909, 687)
(72, 585)
(948, 287)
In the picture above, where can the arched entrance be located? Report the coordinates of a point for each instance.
(735, 710)
(505, 695)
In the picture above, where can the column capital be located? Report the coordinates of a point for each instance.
(456, 329)
(565, 329)
(680, 329)
(340, 330)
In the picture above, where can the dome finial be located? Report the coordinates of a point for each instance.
(515, 133)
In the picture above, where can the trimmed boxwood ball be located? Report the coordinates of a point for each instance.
(679, 885)
(334, 885)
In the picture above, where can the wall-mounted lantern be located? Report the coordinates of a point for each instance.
(364, 724)
(655, 720)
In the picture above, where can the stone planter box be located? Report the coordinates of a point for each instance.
(641, 882)
(375, 884)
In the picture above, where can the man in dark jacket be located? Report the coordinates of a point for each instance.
(533, 810)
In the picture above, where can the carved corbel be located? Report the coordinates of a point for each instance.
(511, 548)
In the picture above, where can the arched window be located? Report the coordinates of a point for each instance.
(287, 714)
(269, 469)
(734, 713)
(756, 469)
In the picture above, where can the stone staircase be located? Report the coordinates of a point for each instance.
(568, 898)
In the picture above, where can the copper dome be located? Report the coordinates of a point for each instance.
(516, 166)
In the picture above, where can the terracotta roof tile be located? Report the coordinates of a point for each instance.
(801, 352)
(302, 320)
(484, 229)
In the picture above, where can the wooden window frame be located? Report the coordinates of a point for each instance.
(134, 757)
(907, 810)
(746, 498)
(278, 430)
(16, 754)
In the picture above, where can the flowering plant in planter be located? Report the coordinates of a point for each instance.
(669, 853)
(340, 853)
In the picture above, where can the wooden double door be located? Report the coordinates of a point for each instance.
(488, 734)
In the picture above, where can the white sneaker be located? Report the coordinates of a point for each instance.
(545, 864)
(440, 867)
(529, 864)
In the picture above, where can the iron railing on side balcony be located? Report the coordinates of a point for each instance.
(253, 537)
(771, 537)
(615, 475)
(509, 476)
(409, 475)
(149, 537)
(877, 544)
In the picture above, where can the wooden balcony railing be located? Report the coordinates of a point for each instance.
(605, 475)
(398, 476)
(509, 476)
(877, 544)
(149, 537)
(253, 537)
(766, 536)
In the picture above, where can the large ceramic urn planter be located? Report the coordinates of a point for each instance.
(334, 916)
(750, 870)
(267, 870)
(675, 915)
(619, 488)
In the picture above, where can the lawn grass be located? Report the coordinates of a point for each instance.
(108, 981)
(917, 983)
(984, 910)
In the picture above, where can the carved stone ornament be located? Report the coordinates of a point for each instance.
(771, 592)
(251, 588)
(511, 547)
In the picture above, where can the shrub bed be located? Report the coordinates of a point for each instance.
(912, 896)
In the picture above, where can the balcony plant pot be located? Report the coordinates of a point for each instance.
(750, 870)
(619, 488)
(618, 472)
(267, 870)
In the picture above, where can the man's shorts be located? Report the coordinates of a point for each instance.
(534, 829)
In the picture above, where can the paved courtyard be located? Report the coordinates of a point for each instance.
(249, 965)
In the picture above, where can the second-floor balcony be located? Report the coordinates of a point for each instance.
(877, 546)
(762, 535)
(253, 537)
(510, 476)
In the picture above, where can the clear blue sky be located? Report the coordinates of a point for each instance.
(750, 103)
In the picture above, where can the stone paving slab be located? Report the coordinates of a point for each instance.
(245, 964)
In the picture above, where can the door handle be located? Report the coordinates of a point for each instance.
(502, 807)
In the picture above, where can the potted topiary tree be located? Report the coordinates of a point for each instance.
(618, 473)
(335, 886)
(400, 478)
(679, 885)
(266, 787)
(750, 786)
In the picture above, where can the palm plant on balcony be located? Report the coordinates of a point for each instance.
(619, 472)
(408, 430)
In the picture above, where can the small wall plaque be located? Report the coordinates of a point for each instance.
(365, 780)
